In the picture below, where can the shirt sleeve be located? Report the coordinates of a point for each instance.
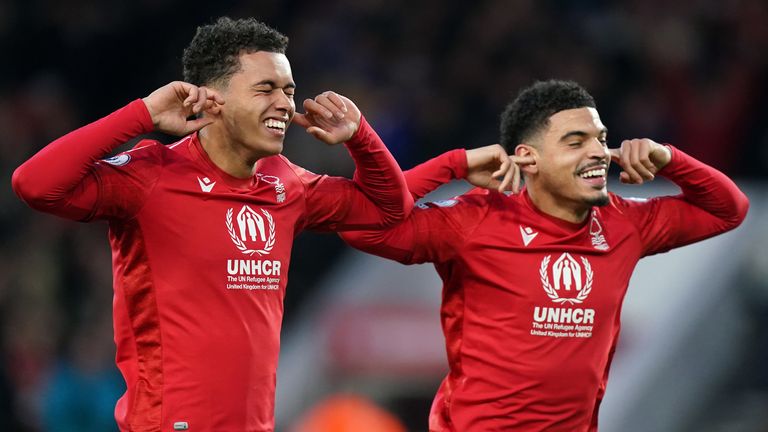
(65, 178)
(428, 176)
(710, 204)
(376, 197)
(434, 232)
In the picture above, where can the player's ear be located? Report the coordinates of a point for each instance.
(527, 150)
(215, 101)
(213, 110)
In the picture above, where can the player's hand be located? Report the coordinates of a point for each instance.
(490, 167)
(329, 117)
(171, 105)
(640, 159)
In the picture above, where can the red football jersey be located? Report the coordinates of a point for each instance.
(200, 259)
(531, 303)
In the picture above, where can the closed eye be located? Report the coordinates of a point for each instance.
(268, 86)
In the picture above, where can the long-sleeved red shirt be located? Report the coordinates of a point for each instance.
(531, 303)
(200, 259)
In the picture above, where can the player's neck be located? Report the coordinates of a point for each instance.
(554, 206)
(224, 153)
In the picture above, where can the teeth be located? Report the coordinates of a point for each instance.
(277, 124)
(593, 173)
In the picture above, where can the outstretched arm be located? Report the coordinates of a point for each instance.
(59, 178)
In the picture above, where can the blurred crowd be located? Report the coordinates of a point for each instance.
(430, 76)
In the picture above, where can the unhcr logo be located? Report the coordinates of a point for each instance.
(572, 280)
(254, 233)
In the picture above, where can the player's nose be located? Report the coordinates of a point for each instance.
(597, 150)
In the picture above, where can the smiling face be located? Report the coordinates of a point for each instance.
(258, 105)
(570, 175)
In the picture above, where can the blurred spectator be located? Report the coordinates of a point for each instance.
(347, 413)
(80, 393)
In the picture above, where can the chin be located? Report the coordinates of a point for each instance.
(273, 150)
(599, 201)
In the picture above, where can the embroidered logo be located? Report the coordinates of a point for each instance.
(252, 229)
(206, 185)
(596, 231)
(569, 278)
(528, 234)
(275, 181)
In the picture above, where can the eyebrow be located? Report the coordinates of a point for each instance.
(273, 84)
(581, 134)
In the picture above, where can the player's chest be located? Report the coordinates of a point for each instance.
(216, 222)
(548, 269)
(548, 294)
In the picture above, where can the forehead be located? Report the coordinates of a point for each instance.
(263, 65)
(577, 119)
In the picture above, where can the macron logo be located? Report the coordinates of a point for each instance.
(206, 185)
(528, 235)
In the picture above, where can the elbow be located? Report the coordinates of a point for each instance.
(22, 187)
(365, 241)
(377, 242)
(353, 238)
(382, 243)
(28, 191)
(736, 213)
(398, 214)
(741, 208)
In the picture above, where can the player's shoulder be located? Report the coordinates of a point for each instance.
(144, 152)
(495, 200)
(625, 206)
(474, 198)
(281, 166)
(277, 162)
(149, 152)
(617, 201)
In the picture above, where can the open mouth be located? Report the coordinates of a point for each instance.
(594, 176)
(276, 126)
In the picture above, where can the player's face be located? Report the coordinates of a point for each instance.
(259, 103)
(574, 158)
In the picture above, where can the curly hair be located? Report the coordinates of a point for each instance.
(529, 112)
(213, 56)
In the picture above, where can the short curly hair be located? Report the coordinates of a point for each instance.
(213, 56)
(529, 112)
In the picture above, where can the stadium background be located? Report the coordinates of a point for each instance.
(430, 76)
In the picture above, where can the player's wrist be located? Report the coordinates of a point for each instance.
(359, 135)
(143, 114)
(458, 162)
(662, 156)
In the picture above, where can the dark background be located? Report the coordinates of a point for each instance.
(429, 75)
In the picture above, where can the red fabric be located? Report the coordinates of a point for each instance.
(426, 177)
(201, 259)
(137, 330)
(530, 329)
(52, 180)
